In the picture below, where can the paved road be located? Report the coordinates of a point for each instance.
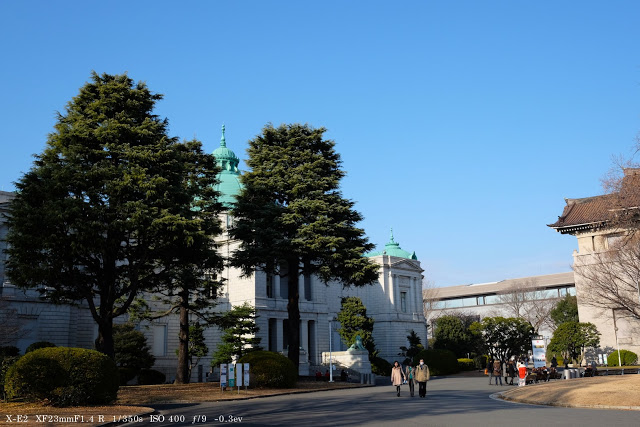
(450, 402)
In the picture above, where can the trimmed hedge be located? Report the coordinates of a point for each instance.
(440, 362)
(64, 376)
(628, 358)
(39, 344)
(151, 377)
(5, 364)
(380, 366)
(466, 364)
(269, 369)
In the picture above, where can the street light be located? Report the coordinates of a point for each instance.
(615, 331)
(330, 356)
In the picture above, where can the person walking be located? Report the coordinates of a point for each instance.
(410, 376)
(397, 376)
(490, 369)
(497, 370)
(422, 376)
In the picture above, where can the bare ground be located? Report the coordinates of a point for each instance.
(621, 392)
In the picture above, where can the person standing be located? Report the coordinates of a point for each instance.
(511, 370)
(397, 376)
(410, 376)
(422, 376)
(522, 374)
(497, 371)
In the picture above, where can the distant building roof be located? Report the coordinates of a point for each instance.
(533, 282)
(595, 212)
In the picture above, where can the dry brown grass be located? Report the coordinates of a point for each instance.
(614, 391)
(134, 400)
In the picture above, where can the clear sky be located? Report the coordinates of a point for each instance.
(462, 124)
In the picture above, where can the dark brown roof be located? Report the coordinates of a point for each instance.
(593, 212)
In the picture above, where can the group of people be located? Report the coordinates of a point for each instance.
(411, 375)
(496, 369)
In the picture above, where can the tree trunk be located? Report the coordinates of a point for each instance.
(182, 371)
(104, 342)
(293, 308)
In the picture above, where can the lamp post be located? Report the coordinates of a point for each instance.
(615, 331)
(330, 355)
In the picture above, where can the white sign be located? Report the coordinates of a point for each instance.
(239, 375)
(223, 375)
(245, 370)
(539, 353)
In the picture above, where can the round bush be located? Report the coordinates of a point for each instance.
(270, 370)
(151, 377)
(440, 362)
(5, 364)
(466, 364)
(380, 366)
(126, 374)
(39, 344)
(628, 358)
(64, 376)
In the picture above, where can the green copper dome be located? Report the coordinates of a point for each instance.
(393, 249)
(229, 186)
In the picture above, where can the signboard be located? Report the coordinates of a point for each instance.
(245, 370)
(539, 352)
(223, 375)
(232, 375)
(239, 375)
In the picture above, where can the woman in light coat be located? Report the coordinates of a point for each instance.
(397, 376)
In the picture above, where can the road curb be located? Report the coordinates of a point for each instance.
(504, 396)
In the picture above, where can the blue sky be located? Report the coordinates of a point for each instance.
(462, 124)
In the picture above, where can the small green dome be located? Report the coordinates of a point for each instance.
(393, 249)
(229, 177)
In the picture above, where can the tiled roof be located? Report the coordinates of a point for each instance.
(595, 211)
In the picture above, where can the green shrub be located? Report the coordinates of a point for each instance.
(270, 369)
(151, 377)
(64, 376)
(39, 344)
(480, 362)
(5, 364)
(9, 351)
(440, 362)
(627, 357)
(380, 366)
(466, 364)
(126, 374)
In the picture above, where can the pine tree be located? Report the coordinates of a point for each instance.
(291, 218)
(113, 206)
(353, 322)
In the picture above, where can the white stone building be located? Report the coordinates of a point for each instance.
(395, 302)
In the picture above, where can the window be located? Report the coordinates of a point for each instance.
(284, 282)
(159, 340)
(403, 302)
(270, 285)
(307, 287)
(273, 335)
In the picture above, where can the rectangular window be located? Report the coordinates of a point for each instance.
(403, 302)
(269, 285)
(159, 340)
(307, 287)
(285, 334)
(273, 335)
(284, 281)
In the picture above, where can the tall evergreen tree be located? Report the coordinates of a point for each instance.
(113, 206)
(291, 218)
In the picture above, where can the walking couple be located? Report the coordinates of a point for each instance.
(419, 374)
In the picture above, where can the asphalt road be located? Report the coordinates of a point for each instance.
(451, 401)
